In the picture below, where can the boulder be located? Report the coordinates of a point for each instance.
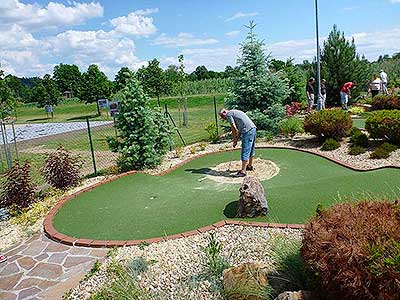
(252, 202)
(300, 295)
(245, 282)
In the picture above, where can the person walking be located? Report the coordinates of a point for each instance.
(242, 126)
(384, 82)
(323, 93)
(345, 93)
(376, 86)
(310, 93)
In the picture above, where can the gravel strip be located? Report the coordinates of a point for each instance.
(174, 266)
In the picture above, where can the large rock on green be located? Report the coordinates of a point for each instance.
(252, 201)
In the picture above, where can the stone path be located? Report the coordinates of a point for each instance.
(41, 269)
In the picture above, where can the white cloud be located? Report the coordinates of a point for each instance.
(183, 39)
(394, 1)
(233, 33)
(135, 23)
(36, 17)
(240, 14)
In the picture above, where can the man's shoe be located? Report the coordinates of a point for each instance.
(240, 174)
(249, 168)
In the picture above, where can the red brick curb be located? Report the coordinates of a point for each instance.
(53, 234)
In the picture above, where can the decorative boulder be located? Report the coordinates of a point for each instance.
(252, 202)
(246, 282)
(300, 295)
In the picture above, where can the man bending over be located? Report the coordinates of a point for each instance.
(242, 125)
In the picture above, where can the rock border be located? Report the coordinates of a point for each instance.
(55, 235)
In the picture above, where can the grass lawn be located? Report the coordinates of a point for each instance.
(143, 206)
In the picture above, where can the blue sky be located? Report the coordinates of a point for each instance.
(35, 35)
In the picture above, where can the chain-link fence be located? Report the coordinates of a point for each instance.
(87, 138)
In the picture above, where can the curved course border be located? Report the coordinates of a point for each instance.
(53, 234)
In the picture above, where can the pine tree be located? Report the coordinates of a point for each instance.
(143, 134)
(256, 87)
(340, 63)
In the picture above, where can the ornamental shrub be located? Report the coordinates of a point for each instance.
(17, 187)
(292, 109)
(379, 153)
(61, 169)
(292, 126)
(384, 124)
(388, 102)
(355, 250)
(356, 150)
(143, 134)
(330, 145)
(212, 131)
(358, 138)
(330, 123)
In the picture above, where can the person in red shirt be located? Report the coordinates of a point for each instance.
(345, 93)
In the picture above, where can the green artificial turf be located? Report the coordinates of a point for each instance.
(142, 206)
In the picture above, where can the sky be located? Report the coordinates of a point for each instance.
(36, 35)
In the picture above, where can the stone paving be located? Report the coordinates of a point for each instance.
(41, 269)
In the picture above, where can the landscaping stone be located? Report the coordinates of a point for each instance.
(57, 258)
(46, 270)
(8, 282)
(74, 261)
(9, 269)
(30, 292)
(252, 201)
(300, 295)
(26, 262)
(246, 281)
(7, 296)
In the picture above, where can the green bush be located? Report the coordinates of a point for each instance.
(143, 134)
(384, 124)
(358, 138)
(292, 126)
(330, 123)
(356, 110)
(379, 153)
(356, 150)
(388, 147)
(330, 144)
(17, 188)
(61, 169)
(212, 131)
(269, 119)
(355, 250)
(382, 102)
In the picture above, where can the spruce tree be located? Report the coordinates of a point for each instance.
(256, 87)
(143, 134)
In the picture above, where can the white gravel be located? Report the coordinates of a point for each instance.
(174, 265)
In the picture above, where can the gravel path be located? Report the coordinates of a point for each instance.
(175, 267)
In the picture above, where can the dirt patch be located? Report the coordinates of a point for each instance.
(225, 172)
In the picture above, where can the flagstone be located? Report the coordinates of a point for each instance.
(46, 270)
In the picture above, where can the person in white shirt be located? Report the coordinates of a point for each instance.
(376, 85)
(384, 82)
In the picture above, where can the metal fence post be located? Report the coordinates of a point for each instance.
(91, 146)
(215, 113)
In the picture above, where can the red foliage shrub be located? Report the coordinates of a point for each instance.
(355, 250)
(329, 123)
(385, 102)
(292, 109)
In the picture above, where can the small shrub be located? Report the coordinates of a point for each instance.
(384, 124)
(203, 146)
(61, 169)
(179, 151)
(388, 147)
(356, 110)
(330, 123)
(216, 263)
(17, 188)
(293, 109)
(212, 131)
(193, 150)
(4, 214)
(350, 245)
(356, 150)
(358, 138)
(137, 266)
(379, 153)
(382, 102)
(330, 144)
(292, 126)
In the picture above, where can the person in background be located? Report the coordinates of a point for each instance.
(384, 82)
(310, 93)
(376, 86)
(345, 93)
(323, 93)
(242, 125)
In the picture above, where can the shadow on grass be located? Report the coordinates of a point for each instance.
(39, 119)
(230, 209)
(83, 117)
(211, 172)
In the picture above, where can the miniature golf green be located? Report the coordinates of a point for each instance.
(142, 206)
